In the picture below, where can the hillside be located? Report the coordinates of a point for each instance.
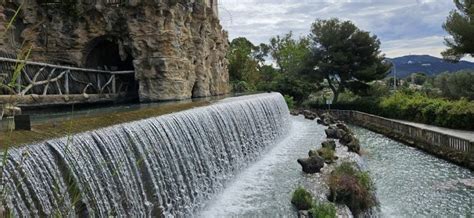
(427, 64)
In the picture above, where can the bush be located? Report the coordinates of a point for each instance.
(290, 101)
(415, 107)
(327, 154)
(323, 210)
(353, 188)
(302, 199)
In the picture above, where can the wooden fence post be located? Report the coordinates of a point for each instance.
(66, 82)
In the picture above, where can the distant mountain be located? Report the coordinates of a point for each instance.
(430, 65)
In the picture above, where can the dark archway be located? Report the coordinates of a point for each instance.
(105, 53)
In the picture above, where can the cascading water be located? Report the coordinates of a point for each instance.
(166, 165)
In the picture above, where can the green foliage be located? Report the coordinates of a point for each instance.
(323, 210)
(289, 54)
(421, 108)
(302, 199)
(290, 101)
(290, 85)
(461, 28)
(327, 154)
(413, 106)
(345, 56)
(243, 65)
(456, 85)
(352, 187)
(417, 78)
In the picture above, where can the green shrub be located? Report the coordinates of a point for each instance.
(415, 107)
(352, 187)
(302, 199)
(323, 210)
(327, 154)
(290, 101)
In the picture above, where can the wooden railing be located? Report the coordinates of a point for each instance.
(433, 138)
(47, 79)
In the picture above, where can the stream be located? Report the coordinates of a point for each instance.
(410, 183)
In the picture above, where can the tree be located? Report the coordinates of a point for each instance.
(344, 55)
(460, 25)
(289, 56)
(417, 78)
(244, 61)
(456, 85)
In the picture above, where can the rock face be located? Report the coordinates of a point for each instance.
(177, 48)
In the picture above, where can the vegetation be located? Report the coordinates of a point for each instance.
(323, 210)
(460, 26)
(290, 101)
(345, 56)
(302, 199)
(454, 85)
(352, 187)
(327, 154)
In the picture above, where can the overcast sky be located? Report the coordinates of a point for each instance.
(404, 26)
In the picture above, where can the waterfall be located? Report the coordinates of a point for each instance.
(167, 165)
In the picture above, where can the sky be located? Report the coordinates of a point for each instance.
(403, 26)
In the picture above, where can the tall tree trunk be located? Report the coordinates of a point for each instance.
(334, 90)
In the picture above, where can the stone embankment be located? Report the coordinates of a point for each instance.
(453, 145)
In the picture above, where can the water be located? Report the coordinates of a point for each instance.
(171, 164)
(411, 183)
(265, 188)
(234, 158)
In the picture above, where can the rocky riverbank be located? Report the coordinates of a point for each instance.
(341, 167)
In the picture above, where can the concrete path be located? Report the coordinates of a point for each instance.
(469, 135)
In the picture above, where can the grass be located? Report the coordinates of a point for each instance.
(352, 187)
(66, 128)
(327, 154)
(323, 210)
(302, 199)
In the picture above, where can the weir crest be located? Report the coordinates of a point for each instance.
(166, 165)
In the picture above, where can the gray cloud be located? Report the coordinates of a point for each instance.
(404, 26)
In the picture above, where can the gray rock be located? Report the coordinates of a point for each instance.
(310, 115)
(331, 144)
(303, 214)
(312, 164)
(333, 133)
(354, 145)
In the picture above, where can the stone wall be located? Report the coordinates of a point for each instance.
(177, 47)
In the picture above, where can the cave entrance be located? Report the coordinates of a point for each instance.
(106, 53)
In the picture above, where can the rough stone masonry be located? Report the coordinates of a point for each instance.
(176, 47)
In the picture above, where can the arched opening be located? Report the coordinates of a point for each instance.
(106, 53)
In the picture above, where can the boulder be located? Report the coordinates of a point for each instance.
(303, 214)
(312, 164)
(310, 115)
(343, 127)
(295, 112)
(334, 133)
(331, 144)
(327, 119)
(312, 153)
(354, 145)
(346, 138)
